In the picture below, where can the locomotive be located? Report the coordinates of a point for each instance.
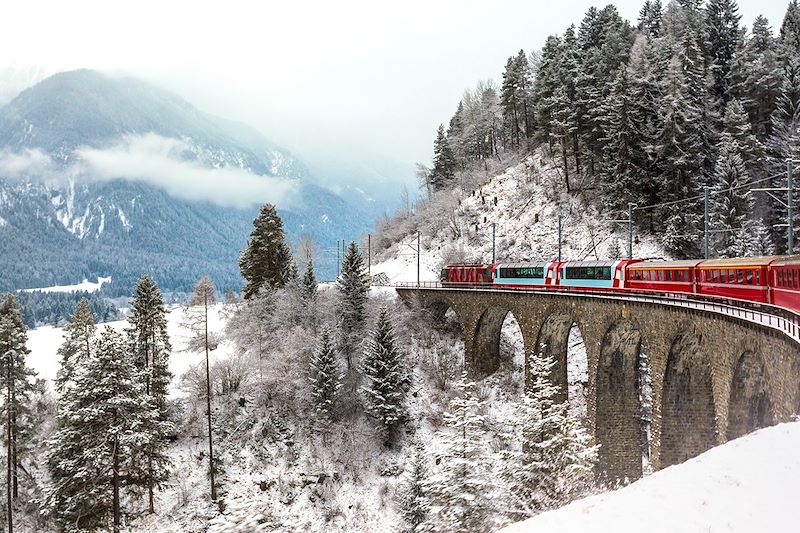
(773, 280)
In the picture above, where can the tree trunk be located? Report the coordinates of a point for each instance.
(575, 146)
(566, 166)
(208, 408)
(14, 458)
(115, 486)
(8, 444)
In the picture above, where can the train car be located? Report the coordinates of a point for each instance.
(784, 281)
(466, 275)
(662, 276)
(740, 278)
(525, 275)
(593, 275)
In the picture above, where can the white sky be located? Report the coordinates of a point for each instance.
(337, 76)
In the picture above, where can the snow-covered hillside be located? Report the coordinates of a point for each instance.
(747, 485)
(85, 285)
(524, 203)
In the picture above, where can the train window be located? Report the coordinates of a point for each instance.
(740, 276)
(522, 272)
(748, 277)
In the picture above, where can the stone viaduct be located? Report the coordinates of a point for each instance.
(714, 377)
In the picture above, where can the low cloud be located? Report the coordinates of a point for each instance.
(26, 164)
(159, 161)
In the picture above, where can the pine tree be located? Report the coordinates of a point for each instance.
(650, 18)
(151, 347)
(17, 387)
(722, 36)
(731, 205)
(783, 144)
(460, 492)
(326, 378)
(105, 421)
(789, 39)
(552, 462)
(308, 287)
(203, 297)
(351, 302)
(444, 163)
(413, 497)
(266, 260)
(756, 77)
(76, 347)
(387, 378)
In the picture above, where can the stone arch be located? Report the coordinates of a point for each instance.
(553, 340)
(486, 341)
(687, 402)
(749, 407)
(618, 419)
(444, 316)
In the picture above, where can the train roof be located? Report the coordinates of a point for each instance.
(590, 263)
(525, 264)
(647, 265)
(787, 260)
(734, 262)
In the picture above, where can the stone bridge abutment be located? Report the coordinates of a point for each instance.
(712, 377)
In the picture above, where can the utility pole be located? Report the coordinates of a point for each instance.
(419, 251)
(494, 232)
(790, 205)
(705, 226)
(559, 237)
(630, 230)
(369, 254)
(338, 261)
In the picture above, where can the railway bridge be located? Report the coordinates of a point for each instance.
(718, 371)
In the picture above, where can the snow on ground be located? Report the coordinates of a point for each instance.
(524, 204)
(747, 485)
(85, 285)
(45, 341)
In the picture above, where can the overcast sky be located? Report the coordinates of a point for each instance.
(328, 76)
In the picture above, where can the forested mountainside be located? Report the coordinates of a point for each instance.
(650, 114)
(59, 225)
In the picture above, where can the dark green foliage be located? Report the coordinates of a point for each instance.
(55, 308)
(266, 262)
(444, 162)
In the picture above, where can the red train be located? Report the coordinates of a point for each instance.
(773, 280)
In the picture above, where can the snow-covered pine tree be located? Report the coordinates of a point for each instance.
(461, 492)
(444, 163)
(546, 82)
(552, 461)
(105, 422)
(149, 341)
(614, 249)
(783, 144)
(308, 286)
(326, 378)
(756, 76)
(77, 344)
(731, 205)
(266, 259)
(351, 303)
(722, 39)
(196, 314)
(17, 387)
(650, 18)
(387, 378)
(413, 496)
(736, 124)
(789, 39)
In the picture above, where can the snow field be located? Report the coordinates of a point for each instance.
(745, 486)
(85, 285)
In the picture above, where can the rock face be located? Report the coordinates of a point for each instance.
(56, 225)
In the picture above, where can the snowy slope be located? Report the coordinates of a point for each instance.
(524, 202)
(85, 285)
(747, 485)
